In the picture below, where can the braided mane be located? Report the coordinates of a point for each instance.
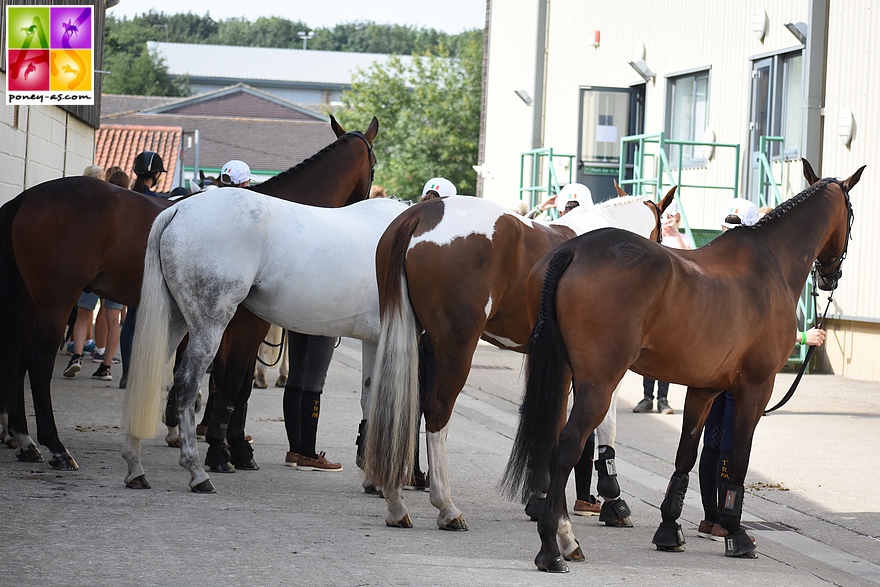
(311, 160)
(791, 203)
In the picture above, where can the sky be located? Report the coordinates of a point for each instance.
(450, 16)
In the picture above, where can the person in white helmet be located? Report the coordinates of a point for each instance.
(569, 197)
(236, 174)
(437, 187)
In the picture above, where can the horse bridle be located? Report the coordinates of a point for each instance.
(369, 145)
(824, 268)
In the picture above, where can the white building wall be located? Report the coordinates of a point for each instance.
(45, 143)
(681, 35)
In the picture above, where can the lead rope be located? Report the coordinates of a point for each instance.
(279, 346)
(809, 354)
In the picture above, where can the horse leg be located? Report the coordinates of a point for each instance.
(750, 404)
(615, 511)
(368, 361)
(554, 526)
(41, 361)
(172, 438)
(233, 369)
(453, 359)
(669, 536)
(284, 368)
(198, 355)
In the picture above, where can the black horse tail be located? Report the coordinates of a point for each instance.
(543, 400)
(11, 285)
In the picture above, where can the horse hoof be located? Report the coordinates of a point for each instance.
(406, 522)
(223, 468)
(282, 381)
(576, 555)
(138, 483)
(204, 487)
(555, 565)
(260, 382)
(739, 545)
(30, 454)
(370, 489)
(619, 523)
(455, 525)
(669, 537)
(667, 548)
(251, 465)
(63, 462)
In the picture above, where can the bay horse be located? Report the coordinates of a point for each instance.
(308, 270)
(44, 267)
(716, 318)
(456, 268)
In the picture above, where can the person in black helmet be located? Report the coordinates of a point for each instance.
(148, 166)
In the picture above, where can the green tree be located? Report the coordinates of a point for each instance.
(429, 118)
(133, 69)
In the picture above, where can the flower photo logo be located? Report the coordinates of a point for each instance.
(50, 55)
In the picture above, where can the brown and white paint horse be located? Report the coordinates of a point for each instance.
(456, 269)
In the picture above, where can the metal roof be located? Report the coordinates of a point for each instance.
(327, 68)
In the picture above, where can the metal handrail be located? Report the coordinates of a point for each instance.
(536, 185)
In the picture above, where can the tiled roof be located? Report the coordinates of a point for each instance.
(325, 68)
(119, 145)
(264, 144)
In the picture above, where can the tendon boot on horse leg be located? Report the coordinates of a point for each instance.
(241, 453)
(615, 511)
(737, 543)
(669, 536)
(171, 420)
(218, 458)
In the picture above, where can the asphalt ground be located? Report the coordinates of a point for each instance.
(812, 489)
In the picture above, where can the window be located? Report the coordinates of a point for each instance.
(687, 116)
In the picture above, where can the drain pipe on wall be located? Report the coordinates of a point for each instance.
(540, 75)
(815, 60)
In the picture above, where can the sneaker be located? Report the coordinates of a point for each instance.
(99, 358)
(89, 347)
(646, 405)
(74, 366)
(103, 373)
(588, 507)
(663, 406)
(317, 464)
(705, 529)
(291, 459)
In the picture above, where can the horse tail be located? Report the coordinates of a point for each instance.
(150, 351)
(394, 410)
(11, 285)
(543, 400)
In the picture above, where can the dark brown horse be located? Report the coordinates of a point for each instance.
(44, 267)
(714, 319)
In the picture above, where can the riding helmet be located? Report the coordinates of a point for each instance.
(148, 162)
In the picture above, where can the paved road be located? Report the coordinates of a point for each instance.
(813, 482)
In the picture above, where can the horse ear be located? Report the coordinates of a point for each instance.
(620, 192)
(201, 175)
(851, 182)
(337, 128)
(372, 130)
(809, 174)
(667, 199)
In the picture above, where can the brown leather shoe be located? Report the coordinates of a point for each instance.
(590, 507)
(705, 529)
(318, 464)
(201, 431)
(718, 533)
(290, 459)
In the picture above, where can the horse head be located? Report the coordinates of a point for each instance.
(829, 262)
(361, 190)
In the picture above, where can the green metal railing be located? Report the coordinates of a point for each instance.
(542, 179)
(650, 153)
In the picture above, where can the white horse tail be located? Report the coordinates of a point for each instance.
(393, 421)
(150, 351)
